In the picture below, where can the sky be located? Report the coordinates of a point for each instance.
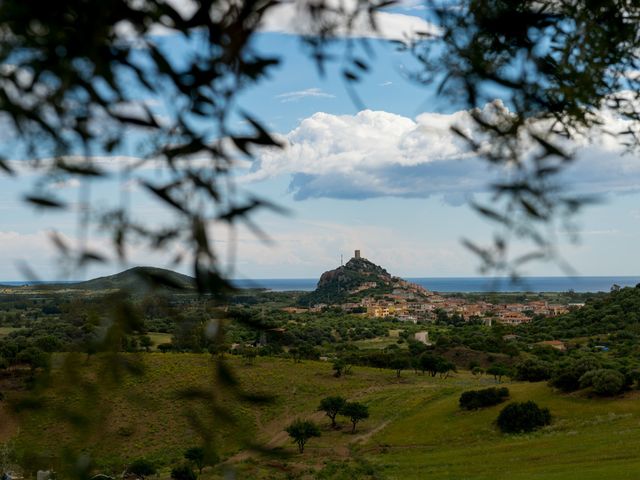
(389, 179)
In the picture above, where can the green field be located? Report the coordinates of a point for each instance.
(158, 339)
(416, 429)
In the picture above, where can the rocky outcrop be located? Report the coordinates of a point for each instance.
(358, 278)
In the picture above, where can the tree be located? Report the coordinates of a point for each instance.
(429, 363)
(332, 406)
(533, 370)
(146, 342)
(183, 472)
(566, 375)
(355, 412)
(34, 357)
(520, 417)
(301, 431)
(444, 367)
(200, 457)
(338, 366)
(604, 381)
(498, 371)
(399, 363)
(141, 468)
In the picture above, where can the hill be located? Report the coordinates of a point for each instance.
(416, 429)
(613, 317)
(135, 280)
(356, 279)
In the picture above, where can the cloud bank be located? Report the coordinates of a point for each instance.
(376, 153)
(290, 17)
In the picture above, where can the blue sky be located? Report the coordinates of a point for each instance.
(390, 180)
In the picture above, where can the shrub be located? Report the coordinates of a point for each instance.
(605, 381)
(474, 399)
(521, 417)
(141, 468)
(183, 472)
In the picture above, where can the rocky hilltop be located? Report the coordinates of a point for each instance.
(357, 279)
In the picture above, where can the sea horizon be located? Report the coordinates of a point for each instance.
(579, 284)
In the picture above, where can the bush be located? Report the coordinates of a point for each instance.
(141, 468)
(474, 399)
(183, 472)
(521, 417)
(605, 381)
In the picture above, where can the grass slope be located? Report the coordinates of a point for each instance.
(416, 429)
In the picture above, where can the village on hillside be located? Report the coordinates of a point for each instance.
(406, 301)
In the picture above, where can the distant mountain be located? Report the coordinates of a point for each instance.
(358, 278)
(136, 280)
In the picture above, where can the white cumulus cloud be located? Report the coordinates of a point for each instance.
(291, 17)
(376, 153)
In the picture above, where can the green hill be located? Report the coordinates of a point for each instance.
(136, 280)
(613, 318)
(416, 429)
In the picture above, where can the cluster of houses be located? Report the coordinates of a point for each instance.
(410, 302)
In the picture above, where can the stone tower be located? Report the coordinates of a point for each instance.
(357, 255)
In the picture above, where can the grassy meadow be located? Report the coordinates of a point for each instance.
(415, 430)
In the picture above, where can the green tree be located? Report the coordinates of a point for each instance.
(146, 342)
(604, 381)
(399, 363)
(338, 365)
(332, 406)
(498, 371)
(445, 367)
(301, 431)
(429, 363)
(200, 457)
(356, 412)
(533, 370)
(520, 417)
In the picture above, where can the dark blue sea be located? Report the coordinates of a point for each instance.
(469, 284)
(448, 284)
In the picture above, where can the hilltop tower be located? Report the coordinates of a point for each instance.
(357, 255)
